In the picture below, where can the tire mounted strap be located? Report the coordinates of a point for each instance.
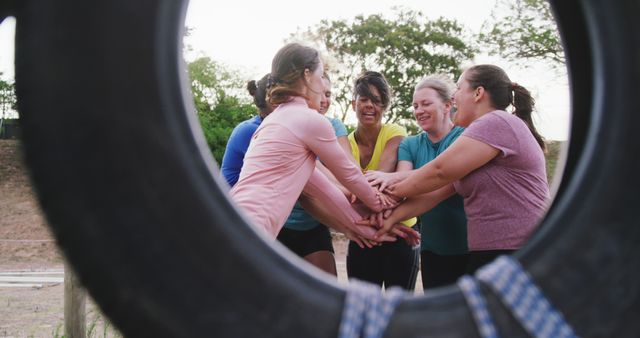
(520, 295)
(367, 310)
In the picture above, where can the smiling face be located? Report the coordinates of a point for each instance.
(313, 86)
(369, 109)
(465, 102)
(326, 98)
(431, 113)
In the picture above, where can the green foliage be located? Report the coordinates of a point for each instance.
(220, 101)
(521, 31)
(8, 102)
(404, 48)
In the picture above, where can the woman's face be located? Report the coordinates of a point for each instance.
(463, 100)
(314, 87)
(369, 110)
(431, 113)
(326, 98)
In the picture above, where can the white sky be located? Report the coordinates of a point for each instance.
(246, 34)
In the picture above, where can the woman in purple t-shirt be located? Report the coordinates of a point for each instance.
(497, 165)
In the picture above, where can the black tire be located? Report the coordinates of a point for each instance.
(124, 177)
(7, 8)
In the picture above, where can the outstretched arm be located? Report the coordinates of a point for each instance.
(343, 141)
(413, 206)
(322, 142)
(389, 155)
(461, 158)
(328, 205)
(383, 180)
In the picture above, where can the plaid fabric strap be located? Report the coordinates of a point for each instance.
(367, 310)
(516, 290)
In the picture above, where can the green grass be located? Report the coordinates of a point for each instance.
(99, 327)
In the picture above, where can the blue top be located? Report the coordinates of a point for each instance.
(233, 160)
(444, 228)
(338, 126)
(299, 219)
(237, 146)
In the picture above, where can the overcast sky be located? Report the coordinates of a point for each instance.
(246, 35)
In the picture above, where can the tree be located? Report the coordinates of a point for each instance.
(220, 100)
(404, 48)
(521, 31)
(8, 102)
(7, 99)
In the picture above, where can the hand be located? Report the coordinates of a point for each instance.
(390, 201)
(360, 241)
(352, 197)
(380, 178)
(411, 236)
(368, 232)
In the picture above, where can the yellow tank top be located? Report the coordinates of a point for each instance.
(387, 132)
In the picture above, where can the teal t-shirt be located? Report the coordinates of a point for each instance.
(299, 219)
(444, 228)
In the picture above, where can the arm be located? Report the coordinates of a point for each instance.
(384, 180)
(415, 206)
(320, 139)
(461, 158)
(343, 141)
(325, 203)
(389, 156)
(333, 179)
(235, 150)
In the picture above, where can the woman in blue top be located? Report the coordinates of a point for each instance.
(444, 228)
(238, 142)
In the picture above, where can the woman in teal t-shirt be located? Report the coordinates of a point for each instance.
(443, 249)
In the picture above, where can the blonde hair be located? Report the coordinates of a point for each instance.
(442, 84)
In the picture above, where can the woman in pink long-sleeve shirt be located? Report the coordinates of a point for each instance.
(280, 162)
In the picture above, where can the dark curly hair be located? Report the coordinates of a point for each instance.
(371, 78)
(258, 90)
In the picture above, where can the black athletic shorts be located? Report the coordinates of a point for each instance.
(306, 242)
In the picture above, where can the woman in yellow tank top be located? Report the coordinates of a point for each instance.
(375, 146)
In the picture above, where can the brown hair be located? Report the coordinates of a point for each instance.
(287, 69)
(258, 90)
(503, 93)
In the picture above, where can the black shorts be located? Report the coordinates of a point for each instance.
(306, 242)
(440, 270)
(390, 264)
(478, 259)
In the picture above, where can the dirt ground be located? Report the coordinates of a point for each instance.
(27, 245)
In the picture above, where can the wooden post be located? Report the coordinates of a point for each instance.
(74, 305)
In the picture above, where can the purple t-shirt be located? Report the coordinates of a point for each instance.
(505, 198)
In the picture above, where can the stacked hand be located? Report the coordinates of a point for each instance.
(381, 179)
(365, 235)
(385, 228)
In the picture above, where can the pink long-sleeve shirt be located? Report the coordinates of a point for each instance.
(280, 164)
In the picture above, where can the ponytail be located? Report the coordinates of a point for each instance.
(523, 103)
(252, 88)
(503, 93)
